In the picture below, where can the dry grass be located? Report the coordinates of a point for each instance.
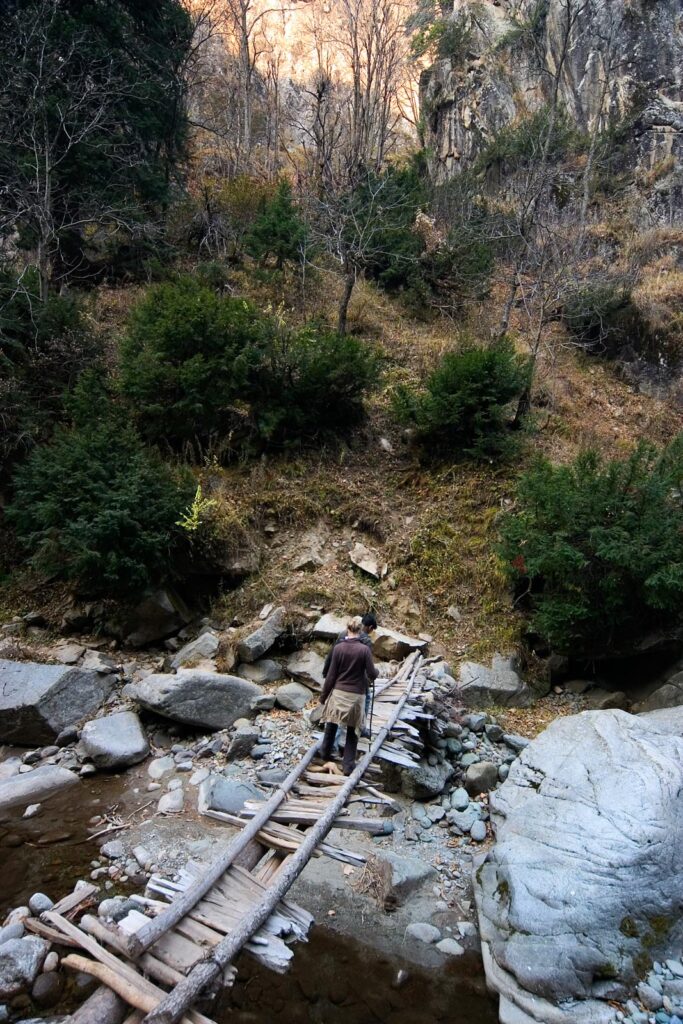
(436, 527)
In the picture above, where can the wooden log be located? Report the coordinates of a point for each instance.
(102, 1007)
(172, 1008)
(123, 970)
(147, 936)
(75, 899)
(133, 995)
(45, 932)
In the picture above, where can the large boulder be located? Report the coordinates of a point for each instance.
(481, 687)
(38, 701)
(424, 781)
(263, 671)
(34, 787)
(115, 741)
(205, 699)
(670, 695)
(20, 963)
(221, 793)
(585, 881)
(329, 626)
(198, 651)
(262, 639)
(158, 616)
(389, 645)
(292, 696)
(306, 666)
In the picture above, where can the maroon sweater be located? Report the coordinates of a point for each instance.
(350, 668)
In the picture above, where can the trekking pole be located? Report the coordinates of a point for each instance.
(372, 706)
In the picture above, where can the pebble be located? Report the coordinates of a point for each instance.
(31, 810)
(516, 743)
(17, 916)
(159, 767)
(649, 997)
(142, 856)
(478, 831)
(494, 732)
(503, 772)
(47, 990)
(153, 787)
(39, 903)
(423, 932)
(460, 799)
(11, 931)
(86, 770)
(172, 803)
(676, 968)
(467, 759)
(175, 784)
(450, 947)
(51, 962)
(113, 850)
(185, 766)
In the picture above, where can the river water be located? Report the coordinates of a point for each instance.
(333, 980)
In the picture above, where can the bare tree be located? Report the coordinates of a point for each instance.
(45, 134)
(350, 223)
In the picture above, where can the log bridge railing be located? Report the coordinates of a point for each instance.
(183, 940)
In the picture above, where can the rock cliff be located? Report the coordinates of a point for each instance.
(617, 65)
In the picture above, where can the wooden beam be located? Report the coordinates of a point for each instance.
(176, 1003)
(147, 936)
(102, 1007)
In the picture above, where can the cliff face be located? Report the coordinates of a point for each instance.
(616, 64)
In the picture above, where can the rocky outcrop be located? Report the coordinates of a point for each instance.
(38, 701)
(624, 66)
(205, 699)
(585, 883)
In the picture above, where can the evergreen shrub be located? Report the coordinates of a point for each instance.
(94, 506)
(279, 230)
(463, 408)
(597, 546)
(315, 386)
(189, 359)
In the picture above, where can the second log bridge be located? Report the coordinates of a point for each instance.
(161, 964)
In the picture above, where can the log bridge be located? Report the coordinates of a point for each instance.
(182, 942)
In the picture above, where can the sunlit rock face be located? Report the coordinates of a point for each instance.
(619, 65)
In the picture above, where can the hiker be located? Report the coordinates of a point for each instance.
(343, 695)
(368, 624)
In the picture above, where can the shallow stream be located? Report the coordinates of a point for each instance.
(333, 980)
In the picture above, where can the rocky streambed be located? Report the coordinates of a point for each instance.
(556, 859)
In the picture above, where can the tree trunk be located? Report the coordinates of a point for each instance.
(349, 282)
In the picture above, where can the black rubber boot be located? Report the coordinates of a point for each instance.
(350, 748)
(328, 741)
